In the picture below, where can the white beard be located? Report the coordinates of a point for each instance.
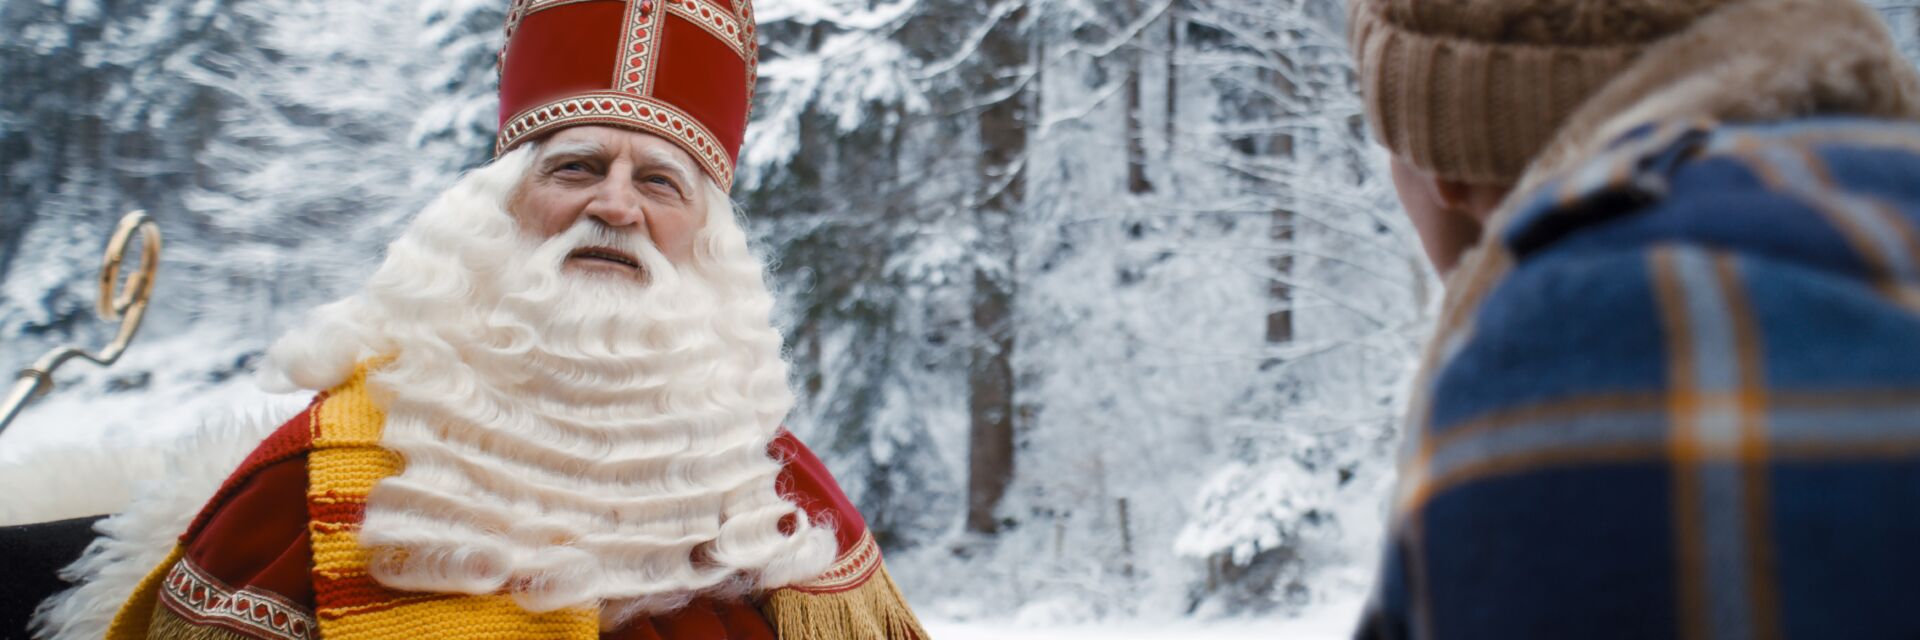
(572, 441)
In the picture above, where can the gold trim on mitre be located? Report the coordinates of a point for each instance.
(623, 110)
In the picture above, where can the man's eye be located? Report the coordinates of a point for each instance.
(573, 167)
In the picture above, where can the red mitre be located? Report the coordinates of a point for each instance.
(679, 69)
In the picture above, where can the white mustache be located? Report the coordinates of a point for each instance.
(590, 233)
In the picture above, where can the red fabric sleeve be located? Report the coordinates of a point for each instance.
(806, 481)
(292, 440)
(705, 618)
(253, 532)
(258, 537)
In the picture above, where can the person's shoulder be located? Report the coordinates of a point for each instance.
(1785, 245)
(806, 481)
(1838, 195)
(1565, 329)
(285, 448)
(855, 598)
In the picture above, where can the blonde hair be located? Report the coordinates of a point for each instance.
(569, 441)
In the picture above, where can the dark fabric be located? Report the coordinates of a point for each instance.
(1692, 409)
(31, 557)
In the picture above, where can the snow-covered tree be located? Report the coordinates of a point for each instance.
(841, 178)
(94, 121)
(1293, 508)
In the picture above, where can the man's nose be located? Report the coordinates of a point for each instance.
(618, 204)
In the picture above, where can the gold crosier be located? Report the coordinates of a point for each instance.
(125, 302)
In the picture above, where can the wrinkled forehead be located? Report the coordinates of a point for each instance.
(609, 143)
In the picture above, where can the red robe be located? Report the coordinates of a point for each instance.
(246, 568)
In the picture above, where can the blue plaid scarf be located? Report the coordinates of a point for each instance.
(1690, 407)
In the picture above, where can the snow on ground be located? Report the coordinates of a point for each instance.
(1333, 622)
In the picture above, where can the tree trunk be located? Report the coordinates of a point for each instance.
(1280, 289)
(1173, 76)
(1136, 126)
(991, 403)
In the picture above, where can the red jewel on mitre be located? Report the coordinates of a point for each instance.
(680, 69)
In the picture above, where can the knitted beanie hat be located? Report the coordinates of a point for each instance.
(1471, 90)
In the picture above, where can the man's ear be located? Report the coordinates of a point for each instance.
(1453, 194)
(1476, 200)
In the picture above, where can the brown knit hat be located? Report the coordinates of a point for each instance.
(1471, 90)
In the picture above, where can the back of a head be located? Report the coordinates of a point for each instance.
(1545, 23)
(1476, 91)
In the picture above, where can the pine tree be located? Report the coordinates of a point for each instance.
(855, 227)
(96, 122)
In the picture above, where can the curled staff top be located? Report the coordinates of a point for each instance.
(119, 300)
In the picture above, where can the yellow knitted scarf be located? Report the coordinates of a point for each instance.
(855, 599)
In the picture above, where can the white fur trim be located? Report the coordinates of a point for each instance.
(161, 487)
(1756, 61)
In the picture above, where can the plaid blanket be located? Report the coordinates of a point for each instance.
(1690, 410)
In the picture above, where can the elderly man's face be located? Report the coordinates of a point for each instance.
(629, 181)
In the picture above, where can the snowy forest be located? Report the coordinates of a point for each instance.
(1100, 310)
